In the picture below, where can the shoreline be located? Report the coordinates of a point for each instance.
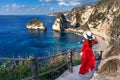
(101, 41)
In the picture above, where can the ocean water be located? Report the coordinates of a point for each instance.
(16, 40)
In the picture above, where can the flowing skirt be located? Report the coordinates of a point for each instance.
(87, 61)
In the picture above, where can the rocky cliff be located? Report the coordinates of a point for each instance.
(60, 23)
(98, 17)
(103, 19)
(36, 24)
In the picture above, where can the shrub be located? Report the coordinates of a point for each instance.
(110, 66)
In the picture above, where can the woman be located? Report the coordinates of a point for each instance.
(88, 59)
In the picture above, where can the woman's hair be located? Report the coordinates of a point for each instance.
(90, 43)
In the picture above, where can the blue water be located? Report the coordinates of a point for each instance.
(16, 40)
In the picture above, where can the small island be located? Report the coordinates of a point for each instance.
(36, 24)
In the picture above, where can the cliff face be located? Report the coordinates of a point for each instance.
(60, 23)
(99, 17)
(103, 19)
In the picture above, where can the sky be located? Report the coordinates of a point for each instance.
(39, 7)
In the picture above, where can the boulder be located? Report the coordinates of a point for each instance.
(36, 24)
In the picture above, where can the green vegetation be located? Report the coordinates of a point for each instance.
(110, 66)
(76, 60)
(101, 2)
(17, 70)
(34, 21)
(99, 16)
(13, 72)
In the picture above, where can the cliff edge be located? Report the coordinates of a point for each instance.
(103, 19)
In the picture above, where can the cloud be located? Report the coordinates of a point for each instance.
(52, 8)
(43, 7)
(12, 6)
(47, 0)
(64, 2)
(70, 2)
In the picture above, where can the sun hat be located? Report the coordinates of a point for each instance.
(88, 35)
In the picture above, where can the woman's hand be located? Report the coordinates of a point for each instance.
(81, 53)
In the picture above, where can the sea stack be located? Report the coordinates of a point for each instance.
(60, 23)
(36, 24)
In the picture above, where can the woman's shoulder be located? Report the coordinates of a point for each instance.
(86, 40)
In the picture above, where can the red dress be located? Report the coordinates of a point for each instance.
(88, 59)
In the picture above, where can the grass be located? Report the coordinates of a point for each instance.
(102, 1)
(110, 66)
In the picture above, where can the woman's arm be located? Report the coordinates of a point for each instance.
(95, 41)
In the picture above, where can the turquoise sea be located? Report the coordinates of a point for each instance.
(16, 40)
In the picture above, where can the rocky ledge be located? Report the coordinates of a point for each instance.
(36, 24)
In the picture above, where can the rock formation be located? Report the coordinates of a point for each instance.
(36, 24)
(60, 24)
(98, 18)
(103, 19)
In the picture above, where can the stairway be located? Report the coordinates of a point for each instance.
(75, 76)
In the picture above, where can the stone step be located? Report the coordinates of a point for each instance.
(75, 76)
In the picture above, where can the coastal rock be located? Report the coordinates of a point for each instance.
(36, 24)
(60, 24)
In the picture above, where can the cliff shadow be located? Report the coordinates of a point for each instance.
(77, 25)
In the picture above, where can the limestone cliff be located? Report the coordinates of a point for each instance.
(98, 17)
(103, 19)
(60, 23)
(36, 24)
